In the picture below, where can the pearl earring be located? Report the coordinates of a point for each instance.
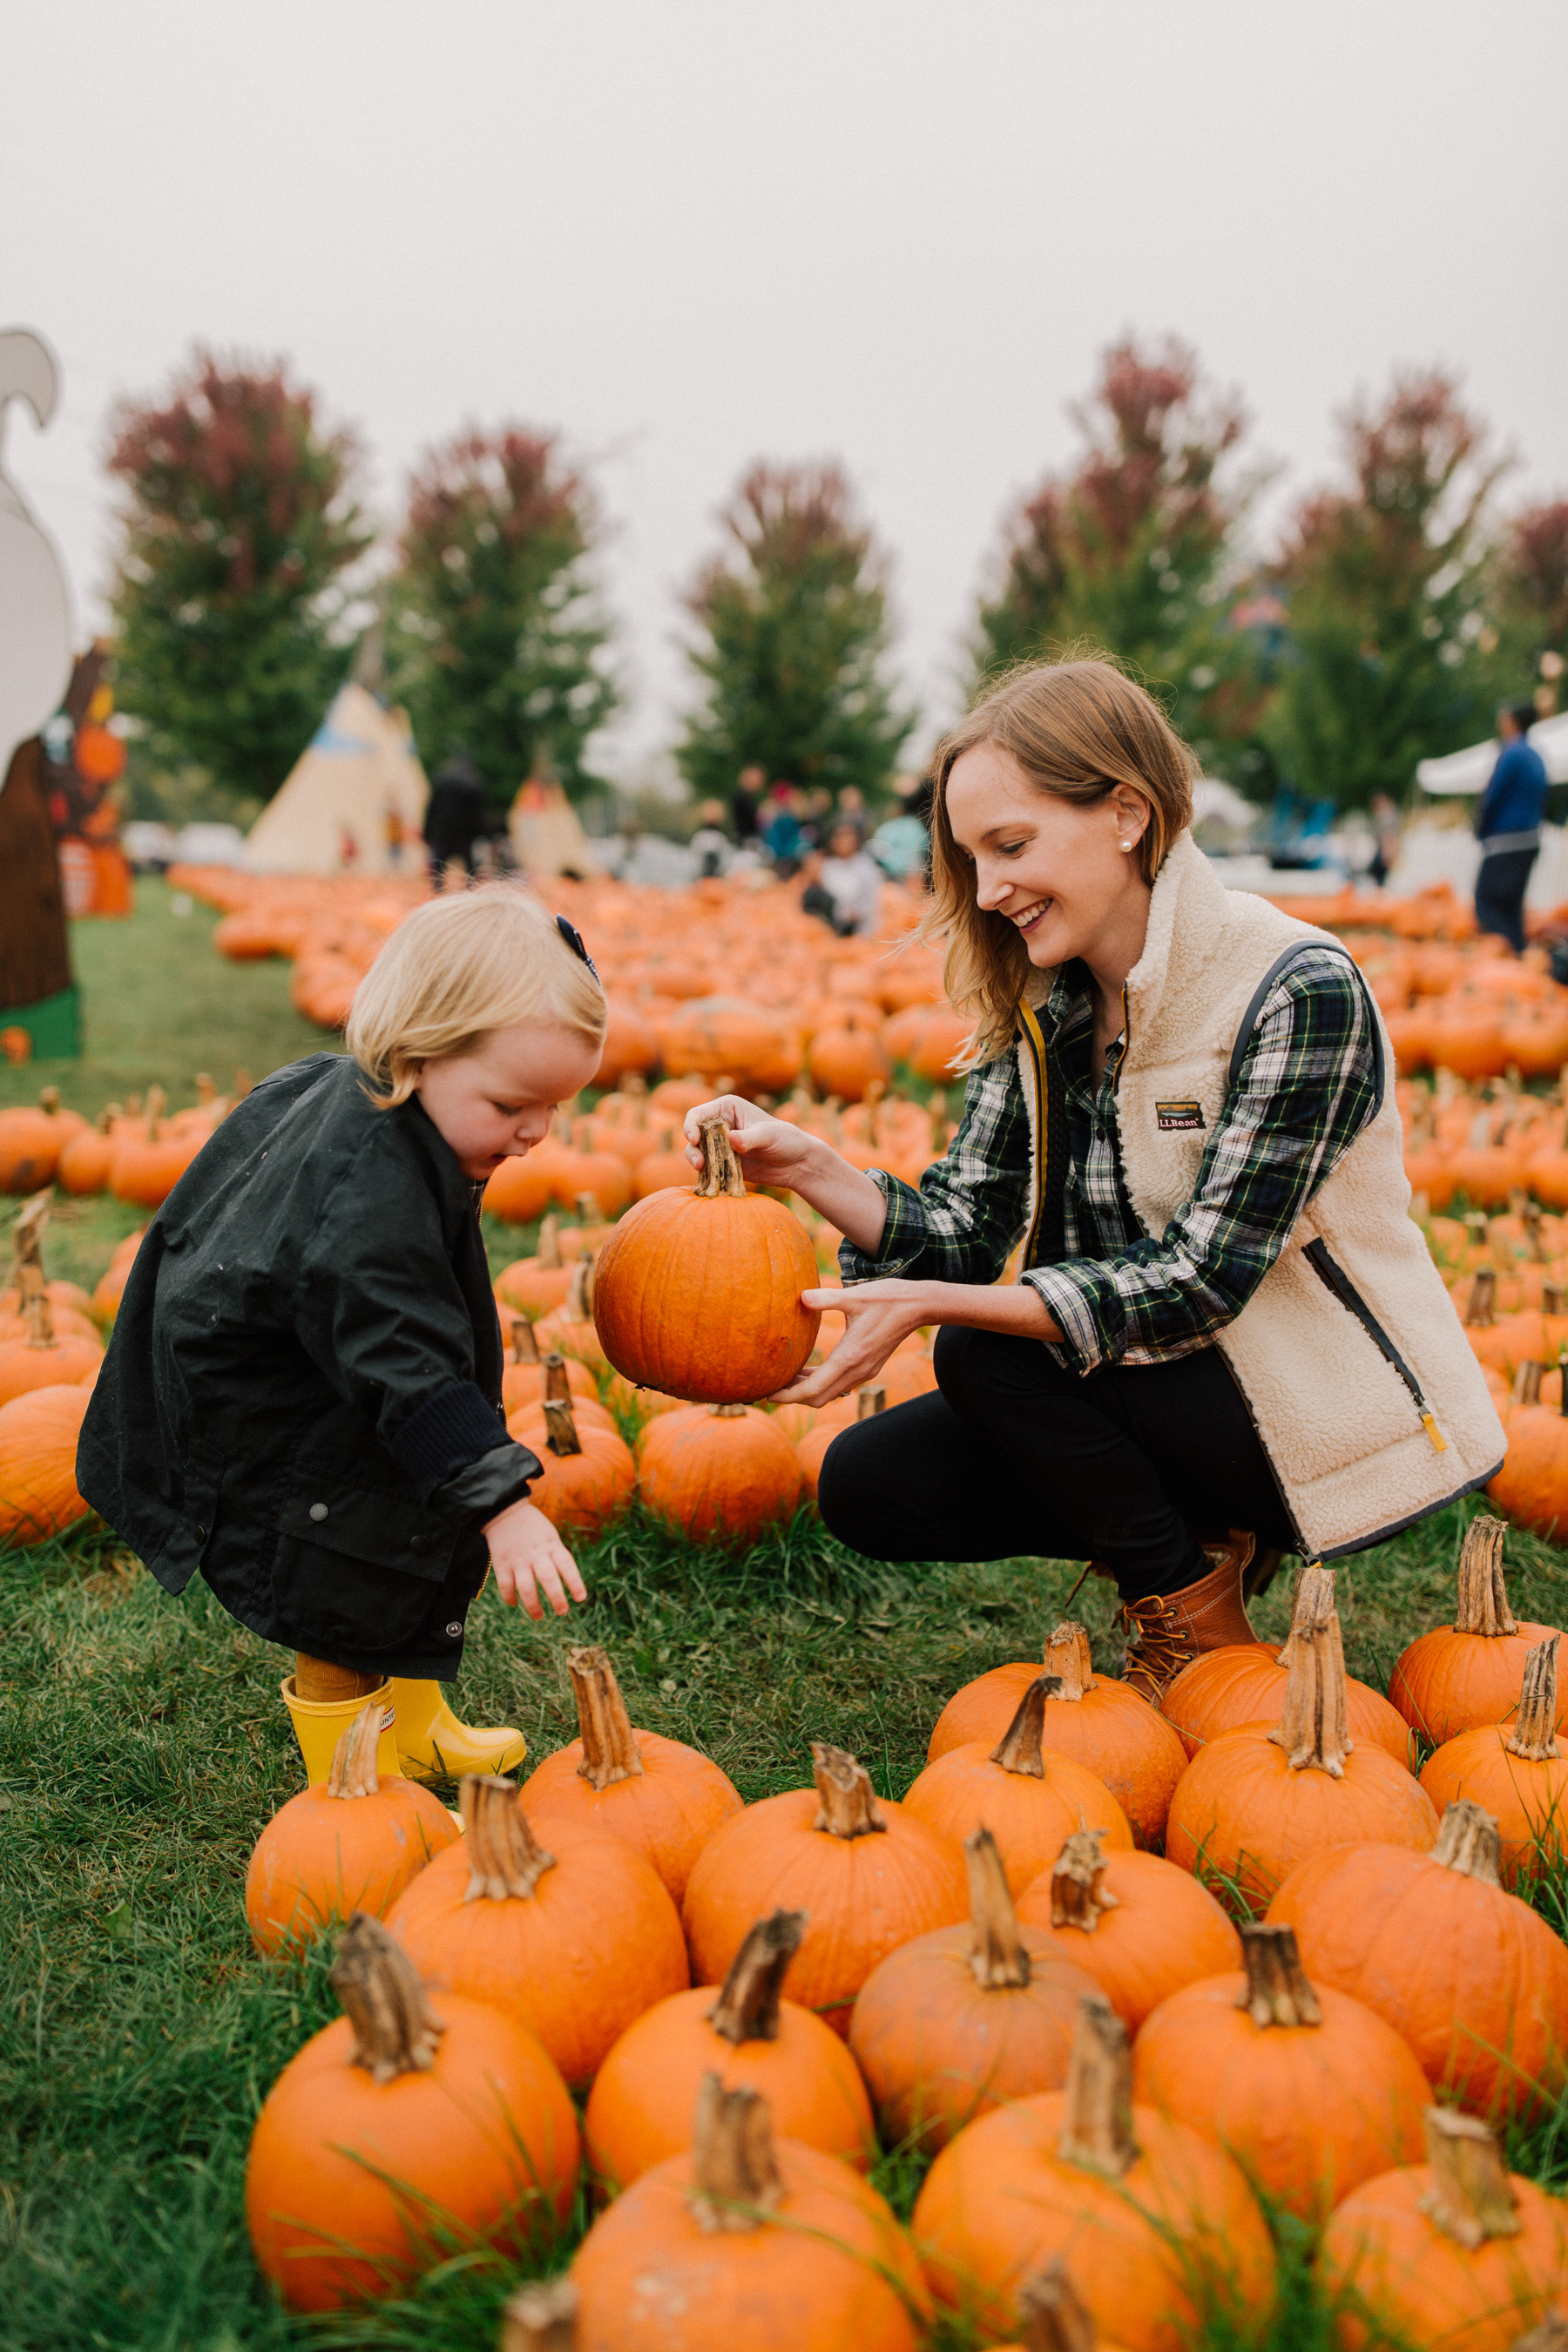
(1127, 845)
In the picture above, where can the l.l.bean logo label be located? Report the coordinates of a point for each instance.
(1170, 1115)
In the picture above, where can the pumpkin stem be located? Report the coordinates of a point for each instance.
(1471, 2197)
(1018, 1749)
(735, 2180)
(1097, 2129)
(49, 1101)
(1483, 1298)
(557, 1380)
(28, 1233)
(539, 2319)
(383, 1996)
(1312, 1729)
(156, 1099)
(610, 1750)
(721, 1168)
(1554, 1297)
(205, 1087)
(1468, 1842)
(504, 1856)
(1527, 1384)
(40, 1319)
(560, 1428)
(1053, 2315)
(1534, 1735)
(847, 1806)
(729, 1412)
(869, 1398)
(550, 1243)
(580, 1290)
(1079, 1894)
(1278, 1992)
(747, 2009)
(107, 1117)
(588, 1210)
(1066, 1657)
(1552, 2336)
(525, 1345)
(353, 1772)
(997, 1952)
(1481, 1604)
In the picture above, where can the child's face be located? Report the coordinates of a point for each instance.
(496, 1102)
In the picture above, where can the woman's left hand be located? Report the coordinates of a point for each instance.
(877, 1315)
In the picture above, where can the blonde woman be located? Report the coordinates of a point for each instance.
(301, 1397)
(1226, 1340)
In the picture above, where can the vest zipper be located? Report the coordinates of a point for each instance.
(1042, 1120)
(1334, 1277)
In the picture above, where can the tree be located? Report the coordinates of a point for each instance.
(1529, 603)
(1387, 662)
(1131, 549)
(795, 624)
(496, 643)
(240, 534)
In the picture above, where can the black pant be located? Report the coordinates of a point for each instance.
(1131, 1465)
(1499, 894)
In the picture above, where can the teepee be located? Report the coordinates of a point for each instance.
(353, 801)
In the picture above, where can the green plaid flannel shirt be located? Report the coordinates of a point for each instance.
(1305, 1088)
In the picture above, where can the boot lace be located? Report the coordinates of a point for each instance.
(1158, 1642)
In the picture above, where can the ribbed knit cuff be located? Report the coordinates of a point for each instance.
(451, 1429)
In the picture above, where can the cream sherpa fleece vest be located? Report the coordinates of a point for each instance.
(1353, 1361)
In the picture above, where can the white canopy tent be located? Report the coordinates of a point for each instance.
(1468, 772)
(353, 800)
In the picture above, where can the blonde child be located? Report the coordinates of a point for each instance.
(303, 1394)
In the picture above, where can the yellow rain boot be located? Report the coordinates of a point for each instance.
(319, 1724)
(433, 1745)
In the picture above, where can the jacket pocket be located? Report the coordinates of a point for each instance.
(1333, 1277)
(354, 1571)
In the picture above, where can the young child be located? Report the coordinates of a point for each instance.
(301, 1397)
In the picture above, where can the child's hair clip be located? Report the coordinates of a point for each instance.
(574, 941)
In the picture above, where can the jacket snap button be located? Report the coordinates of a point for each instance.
(318, 1510)
(452, 1630)
(418, 1543)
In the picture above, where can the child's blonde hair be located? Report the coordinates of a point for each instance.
(458, 967)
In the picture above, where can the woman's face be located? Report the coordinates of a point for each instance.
(1054, 868)
(496, 1102)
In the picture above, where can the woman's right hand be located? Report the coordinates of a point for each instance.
(773, 1152)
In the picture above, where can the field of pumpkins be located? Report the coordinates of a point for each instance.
(855, 1961)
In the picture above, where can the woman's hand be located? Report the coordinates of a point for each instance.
(773, 1152)
(878, 1316)
(529, 1556)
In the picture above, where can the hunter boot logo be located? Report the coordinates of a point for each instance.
(1168, 1115)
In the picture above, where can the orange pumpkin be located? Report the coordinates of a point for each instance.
(1473, 1979)
(410, 2105)
(525, 1381)
(720, 1472)
(659, 1797)
(848, 1059)
(1091, 1720)
(1253, 1802)
(1533, 1484)
(1246, 1683)
(1030, 1797)
(1142, 1927)
(571, 1328)
(1138, 2209)
(866, 1874)
(574, 1943)
(966, 2019)
(44, 1360)
(521, 1189)
(1456, 2251)
(589, 1473)
(630, 1045)
(699, 1293)
(1308, 2089)
(38, 1434)
(87, 1156)
(536, 1284)
(1461, 1676)
(146, 1167)
(722, 1037)
(351, 1844)
(1517, 1772)
(742, 2242)
(640, 2108)
(31, 1142)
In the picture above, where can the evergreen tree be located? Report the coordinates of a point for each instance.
(496, 641)
(239, 534)
(1131, 550)
(794, 632)
(1529, 603)
(1388, 660)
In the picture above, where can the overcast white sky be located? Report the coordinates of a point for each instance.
(688, 233)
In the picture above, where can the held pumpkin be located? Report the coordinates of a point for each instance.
(641, 2106)
(351, 1844)
(868, 1875)
(1517, 1771)
(1091, 1720)
(1309, 2090)
(1455, 2251)
(1141, 1927)
(742, 2243)
(410, 2111)
(1468, 1674)
(720, 1472)
(574, 1943)
(1473, 1979)
(1028, 1796)
(659, 1797)
(699, 1293)
(1138, 2209)
(966, 2019)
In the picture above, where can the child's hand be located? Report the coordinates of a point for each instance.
(528, 1556)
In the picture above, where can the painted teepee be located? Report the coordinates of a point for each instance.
(353, 801)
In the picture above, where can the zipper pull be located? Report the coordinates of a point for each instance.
(1439, 1442)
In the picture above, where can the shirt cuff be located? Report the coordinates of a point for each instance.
(903, 1242)
(1081, 1346)
(487, 1485)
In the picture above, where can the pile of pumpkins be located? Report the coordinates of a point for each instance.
(137, 1151)
(1002, 1972)
(51, 1348)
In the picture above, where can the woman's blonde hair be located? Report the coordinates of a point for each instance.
(1077, 728)
(458, 967)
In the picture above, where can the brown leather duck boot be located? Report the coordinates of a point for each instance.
(1168, 1630)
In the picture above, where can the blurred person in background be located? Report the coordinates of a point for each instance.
(853, 881)
(454, 817)
(784, 833)
(750, 791)
(902, 844)
(710, 843)
(1385, 836)
(1508, 826)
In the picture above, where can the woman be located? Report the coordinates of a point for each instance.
(1226, 1340)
